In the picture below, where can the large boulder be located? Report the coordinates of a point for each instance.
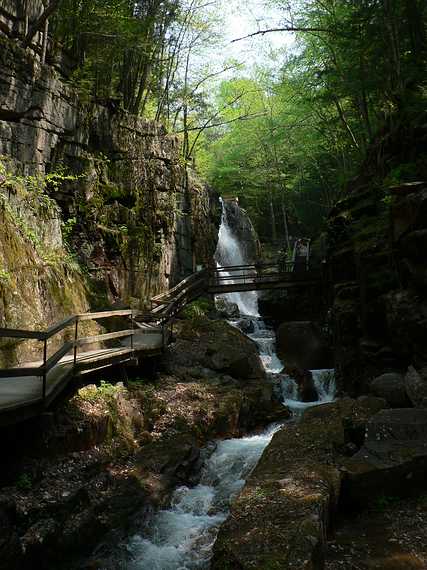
(416, 386)
(391, 387)
(215, 345)
(226, 308)
(220, 355)
(300, 343)
(393, 459)
(406, 314)
(304, 378)
(280, 519)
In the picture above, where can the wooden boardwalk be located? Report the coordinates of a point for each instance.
(32, 387)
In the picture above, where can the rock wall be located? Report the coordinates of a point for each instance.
(377, 239)
(242, 227)
(97, 207)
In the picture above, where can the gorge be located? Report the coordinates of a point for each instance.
(213, 279)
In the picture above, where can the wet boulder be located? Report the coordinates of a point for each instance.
(300, 343)
(226, 308)
(246, 325)
(416, 386)
(393, 459)
(304, 378)
(391, 387)
(281, 517)
(214, 345)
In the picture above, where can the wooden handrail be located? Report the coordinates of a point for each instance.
(105, 314)
(178, 288)
(19, 333)
(168, 305)
(54, 329)
(19, 372)
(105, 336)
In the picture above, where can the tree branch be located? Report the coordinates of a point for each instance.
(287, 29)
(239, 118)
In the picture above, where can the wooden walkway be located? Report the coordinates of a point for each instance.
(31, 387)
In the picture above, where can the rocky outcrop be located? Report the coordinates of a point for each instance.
(242, 228)
(113, 450)
(95, 205)
(304, 379)
(206, 349)
(301, 344)
(282, 516)
(391, 387)
(214, 345)
(393, 459)
(416, 386)
(377, 262)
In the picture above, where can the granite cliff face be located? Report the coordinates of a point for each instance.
(377, 238)
(96, 206)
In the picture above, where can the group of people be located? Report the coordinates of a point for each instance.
(297, 255)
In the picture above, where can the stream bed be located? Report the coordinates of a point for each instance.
(182, 536)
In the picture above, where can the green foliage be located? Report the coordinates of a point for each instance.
(24, 482)
(68, 228)
(197, 309)
(105, 392)
(400, 174)
(314, 121)
(5, 276)
(118, 46)
(384, 502)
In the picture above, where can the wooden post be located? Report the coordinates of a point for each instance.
(133, 332)
(44, 370)
(76, 338)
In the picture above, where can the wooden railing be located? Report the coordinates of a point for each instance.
(48, 363)
(166, 305)
(256, 273)
(164, 308)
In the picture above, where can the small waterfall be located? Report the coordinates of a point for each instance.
(230, 252)
(324, 382)
(182, 537)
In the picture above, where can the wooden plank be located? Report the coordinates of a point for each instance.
(18, 333)
(105, 336)
(20, 372)
(178, 288)
(103, 357)
(105, 314)
(140, 332)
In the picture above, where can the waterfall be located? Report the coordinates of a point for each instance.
(324, 382)
(230, 251)
(182, 536)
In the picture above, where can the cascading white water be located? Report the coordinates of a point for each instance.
(324, 382)
(181, 538)
(266, 341)
(230, 252)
